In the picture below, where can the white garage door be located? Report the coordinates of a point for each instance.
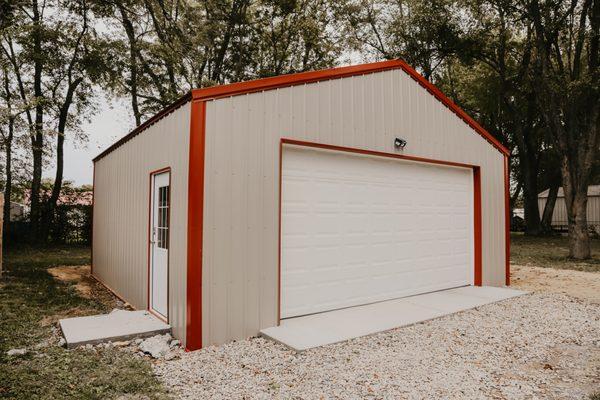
(359, 229)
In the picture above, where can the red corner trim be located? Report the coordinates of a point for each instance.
(507, 218)
(195, 223)
(477, 231)
(93, 208)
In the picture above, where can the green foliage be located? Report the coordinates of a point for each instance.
(30, 299)
(170, 47)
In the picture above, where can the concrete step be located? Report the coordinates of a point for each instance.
(118, 325)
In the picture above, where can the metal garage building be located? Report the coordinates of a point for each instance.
(244, 204)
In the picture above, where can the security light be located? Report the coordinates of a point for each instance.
(399, 143)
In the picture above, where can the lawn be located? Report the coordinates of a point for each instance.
(31, 301)
(550, 251)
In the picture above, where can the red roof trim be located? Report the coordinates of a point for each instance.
(158, 116)
(258, 85)
(234, 89)
(291, 80)
(431, 88)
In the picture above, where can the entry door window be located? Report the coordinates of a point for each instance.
(162, 223)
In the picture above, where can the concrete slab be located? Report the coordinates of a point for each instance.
(116, 326)
(302, 333)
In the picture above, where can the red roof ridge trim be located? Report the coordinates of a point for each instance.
(239, 88)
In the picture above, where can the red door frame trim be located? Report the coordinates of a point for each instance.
(477, 219)
(507, 219)
(195, 224)
(150, 193)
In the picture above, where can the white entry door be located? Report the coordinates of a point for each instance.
(159, 244)
(359, 229)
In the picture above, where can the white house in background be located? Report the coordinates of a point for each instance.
(559, 217)
(245, 204)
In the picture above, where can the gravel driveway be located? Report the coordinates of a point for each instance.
(534, 346)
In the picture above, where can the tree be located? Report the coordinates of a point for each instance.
(503, 42)
(567, 38)
(174, 46)
(425, 34)
(8, 119)
(56, 58)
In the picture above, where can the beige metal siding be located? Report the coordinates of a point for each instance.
(121, 201)
(559, 216)
(241, 211)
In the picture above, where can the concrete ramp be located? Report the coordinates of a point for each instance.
(116, 326)
(302, 333)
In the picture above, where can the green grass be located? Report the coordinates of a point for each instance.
(550, 251)
(30, 302)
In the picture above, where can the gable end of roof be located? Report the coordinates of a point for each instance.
(234, 89)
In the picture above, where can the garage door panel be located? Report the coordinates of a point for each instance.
(358, 229)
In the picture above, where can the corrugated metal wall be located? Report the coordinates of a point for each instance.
(559, 216)
(121, 190)
(241, 212)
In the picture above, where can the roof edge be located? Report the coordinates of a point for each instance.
(300, 78)
(438, 94)
(239, 88)
(149, 122)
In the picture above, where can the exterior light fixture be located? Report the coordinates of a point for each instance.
(399, 143)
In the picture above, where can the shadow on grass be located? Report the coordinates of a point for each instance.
(31, 302)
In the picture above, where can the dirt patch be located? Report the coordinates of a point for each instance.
(78, 275)
(579, 284)
(86, 286)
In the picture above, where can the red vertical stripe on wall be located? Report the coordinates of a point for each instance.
(477, 279)
(507, 218)
(195, 223)
(93, 206)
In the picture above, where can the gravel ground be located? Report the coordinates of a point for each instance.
(579, 284)
(535, 346)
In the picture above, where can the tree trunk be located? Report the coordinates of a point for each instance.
(37, 139)
(8, 185)
(8, 154)
(530, 195)
(579, 240)
(60, 143)
(133, 67)
(238, 9)
(549, 208)
(576, 203)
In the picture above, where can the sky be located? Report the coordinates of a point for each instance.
(112, 121)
